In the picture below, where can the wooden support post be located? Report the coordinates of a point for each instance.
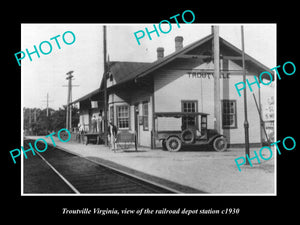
(105, 87)
(153, 132)
(217, 102)
(246, 123)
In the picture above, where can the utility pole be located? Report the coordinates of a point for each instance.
(30, 120)
(246, 124)
(70, 106)
(35, 118)
(105, 85)
(69, 100)
(217, 103)
(69, 78)
(47, 102)
(34, 115)
(47, 111)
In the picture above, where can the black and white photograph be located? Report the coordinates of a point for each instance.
(116, 112)
(139, 109)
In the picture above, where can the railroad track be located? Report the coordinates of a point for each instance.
(84, 176)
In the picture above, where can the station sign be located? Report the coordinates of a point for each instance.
(207, 75)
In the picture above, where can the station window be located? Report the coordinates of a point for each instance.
(123, 117)
(229, 114)
(189, 121)
(145, 116)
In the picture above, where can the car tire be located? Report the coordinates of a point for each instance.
(220, 144)
(173, 144)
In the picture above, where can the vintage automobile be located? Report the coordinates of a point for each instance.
(189, 135)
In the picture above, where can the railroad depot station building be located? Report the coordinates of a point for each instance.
(179, 82)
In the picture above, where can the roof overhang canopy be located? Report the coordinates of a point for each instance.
(93, 96)
(179, 114)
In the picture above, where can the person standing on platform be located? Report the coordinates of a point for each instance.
(99, 120)
(80, 132)
(112, 132)
(94, 124)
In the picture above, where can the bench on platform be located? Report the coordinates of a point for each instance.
(124, 139)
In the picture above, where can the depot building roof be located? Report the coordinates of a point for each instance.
(125, 72)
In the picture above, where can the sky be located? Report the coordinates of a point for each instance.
(47, 74)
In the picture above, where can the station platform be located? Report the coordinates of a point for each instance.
(204, 171)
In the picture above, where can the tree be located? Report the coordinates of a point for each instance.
(36, 121)
(58, 118)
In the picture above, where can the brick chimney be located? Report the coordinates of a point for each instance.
(160, 52)
(178, 43)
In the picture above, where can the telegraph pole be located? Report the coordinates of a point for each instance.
(105, 85)
(47, 102)
(30, 120)
(246, 124)
(216, 52)
(70, 106)
(69, 78)
(69, 100)
(47, 111)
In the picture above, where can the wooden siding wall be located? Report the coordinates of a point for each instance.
(171, 86)
(84, 119)
(139, 96)
(134, 97)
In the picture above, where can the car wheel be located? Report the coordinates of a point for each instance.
(173, 144)
(220, 144)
